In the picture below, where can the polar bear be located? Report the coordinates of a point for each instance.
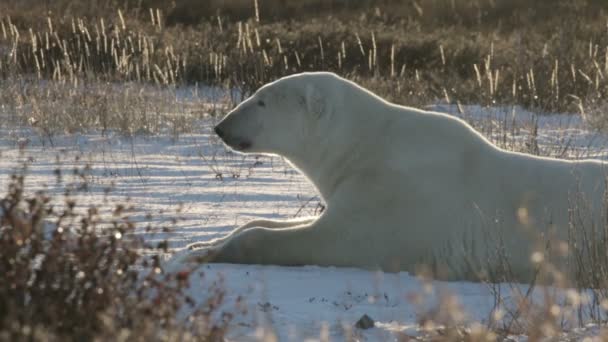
(403, 187)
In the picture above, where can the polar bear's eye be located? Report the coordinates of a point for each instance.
(261, 103)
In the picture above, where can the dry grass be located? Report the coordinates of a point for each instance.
(502, 52)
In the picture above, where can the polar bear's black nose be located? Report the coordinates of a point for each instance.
(218, 131)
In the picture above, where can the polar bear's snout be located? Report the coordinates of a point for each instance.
(237, 143)
(226, 131)
(219, 131)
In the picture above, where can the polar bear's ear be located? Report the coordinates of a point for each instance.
(315, 101)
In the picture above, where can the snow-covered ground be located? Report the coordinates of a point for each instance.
(211, 190)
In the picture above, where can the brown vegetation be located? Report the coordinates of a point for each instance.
(70, 274)
(546, 55)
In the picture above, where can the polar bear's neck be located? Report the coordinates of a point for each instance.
(344, 142)
(324, 160)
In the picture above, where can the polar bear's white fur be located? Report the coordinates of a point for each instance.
(403, 187)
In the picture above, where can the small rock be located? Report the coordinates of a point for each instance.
(365, 322)
(267, 307)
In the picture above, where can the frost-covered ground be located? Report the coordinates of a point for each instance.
(211, 190)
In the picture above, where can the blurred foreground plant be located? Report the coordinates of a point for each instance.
(66, 275)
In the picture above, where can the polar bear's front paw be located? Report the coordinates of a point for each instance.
(200, 245)
(202, 255)
(191, 257)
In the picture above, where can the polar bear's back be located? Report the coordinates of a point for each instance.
(439, 180)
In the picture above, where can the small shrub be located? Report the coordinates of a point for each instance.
(74, 276)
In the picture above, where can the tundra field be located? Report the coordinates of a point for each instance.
(109, 164)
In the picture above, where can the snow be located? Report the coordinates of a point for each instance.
(212, 190)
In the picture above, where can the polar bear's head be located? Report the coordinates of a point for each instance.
(283, 116)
